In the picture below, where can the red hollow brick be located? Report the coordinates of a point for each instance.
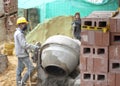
(86, 51)
(97, 84)
(106, 38)
(100, 65)
(118, 25)
(95, 79)
(114, 66)
(100, 52)
(88, 83)
(104, 84)
(95, 21)
(10, 6)
(101, 84)
(86, 79)
(98, 38)
(115, 38)
(103, 22)
(111, 79)
(94, 51)
(87, 38)
(11, 2)
(83, 63)
(7, 2)
(11, 22)
(117, 79)
(91, 37)
(86, 76)
(114, 52)
(101, 79)
(87, 22)
(113, 25)
(90, 64)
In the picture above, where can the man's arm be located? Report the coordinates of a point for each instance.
(24, 44)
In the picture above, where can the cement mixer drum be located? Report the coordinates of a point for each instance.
(60, 55)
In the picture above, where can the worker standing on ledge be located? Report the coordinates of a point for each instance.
(21, 47)
(76, 26)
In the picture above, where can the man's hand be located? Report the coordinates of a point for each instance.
(37, 48)
(36, 52)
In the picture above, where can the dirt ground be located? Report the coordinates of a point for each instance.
(8, 78)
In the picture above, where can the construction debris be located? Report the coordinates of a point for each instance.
(8, 16)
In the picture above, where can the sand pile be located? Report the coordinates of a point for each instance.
(56, 26)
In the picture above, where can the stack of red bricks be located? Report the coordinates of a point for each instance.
(10, 9)
(100, 50)
(10, 6)
(8, 14)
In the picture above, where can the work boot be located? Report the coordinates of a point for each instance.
(22, 84)
(19, 83)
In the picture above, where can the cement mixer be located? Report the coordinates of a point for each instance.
(58, 56)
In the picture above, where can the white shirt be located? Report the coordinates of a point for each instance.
(21, 45)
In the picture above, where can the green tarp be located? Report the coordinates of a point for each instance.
(52, 8)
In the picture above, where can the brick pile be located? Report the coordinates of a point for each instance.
(9, 15)
(100, 49)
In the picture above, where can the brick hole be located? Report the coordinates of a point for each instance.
(95, 23)
(87, 76)
(101, 77)
(6, 5)
(117, 38)
(93, 77)
(102, 24)
(101, 51)
(89, 23)
(4, 0)
(86, 50)
(115, 65)
(93, 50)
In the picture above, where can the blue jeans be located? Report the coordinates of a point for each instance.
(22, 63)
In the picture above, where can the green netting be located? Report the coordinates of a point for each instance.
(52, 8)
